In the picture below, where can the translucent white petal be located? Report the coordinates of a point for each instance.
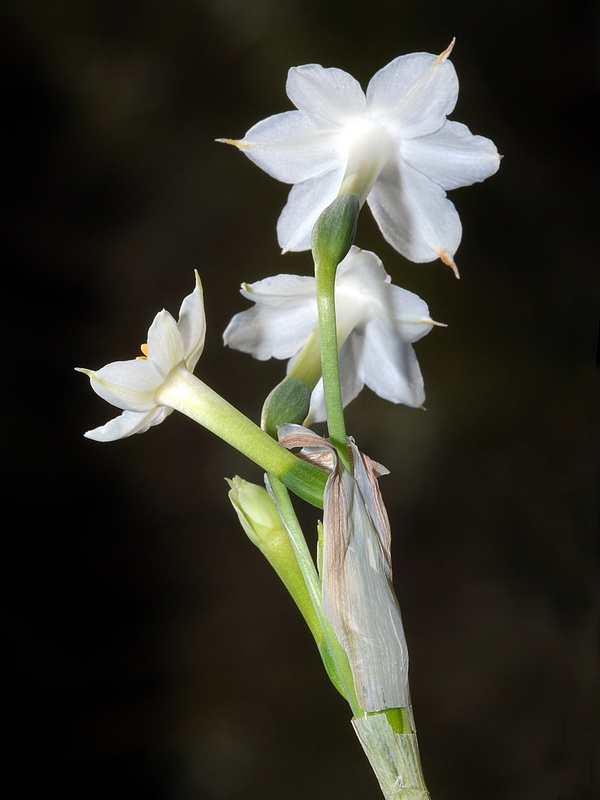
(452, 156)
(408, 314)
(414, 214)
(305, 203)
(280, 322)
(293, 147)
(130, 385)
(328, 93)
(128, 423)
(415, 92)
(192, 325)
(389, 365)
(165, 343)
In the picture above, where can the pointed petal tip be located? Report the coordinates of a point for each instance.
(449, 261)
(446, 53)
(236, 142)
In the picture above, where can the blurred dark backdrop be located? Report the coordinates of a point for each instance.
(154, 654)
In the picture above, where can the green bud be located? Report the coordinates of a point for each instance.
(289, 401)
(263, 525)
(334, 231)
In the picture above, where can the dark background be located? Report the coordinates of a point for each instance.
(153, 653)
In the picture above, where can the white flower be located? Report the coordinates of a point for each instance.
(134, 385)
(376, 324)
(392, 146)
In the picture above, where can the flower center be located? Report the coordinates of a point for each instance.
(369, 148)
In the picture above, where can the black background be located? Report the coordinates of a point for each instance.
(153, 654)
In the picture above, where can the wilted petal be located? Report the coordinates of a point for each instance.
(358, 595)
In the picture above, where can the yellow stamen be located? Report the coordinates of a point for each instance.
(144, 349)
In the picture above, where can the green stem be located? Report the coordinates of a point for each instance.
(332, 238)
(333, 655)
(325, 287)
(184, 392)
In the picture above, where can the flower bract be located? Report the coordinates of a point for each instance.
(377, 323)
(133, 385)
(392, 146)
(358, 594)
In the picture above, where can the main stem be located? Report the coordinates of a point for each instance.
(330, 368)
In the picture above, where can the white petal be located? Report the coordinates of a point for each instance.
(192, 325)
(165, 343)
(452, 156)
(292, 147)
(389, 365)
(328, 93)
(415, 92)
(280, 322)
(414, 214)
(128, 423)
(409, 314)
(130, 385)
(305, 203)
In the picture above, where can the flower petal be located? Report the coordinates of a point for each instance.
(409, 314)
(280, 322)
(452, 156)
(130, 385)
(328, 93)
(192, 325)
(165, 343)
(292, 147)
(416, 92)
(389, 365)
(128, 423)
(305, 203)
(414, 214)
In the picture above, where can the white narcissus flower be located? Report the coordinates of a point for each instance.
(391, 146)
(150, 387)
(134, 385)
(376, 324)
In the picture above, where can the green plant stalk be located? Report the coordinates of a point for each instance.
(184, 392)
(332, 653)
(332, 238)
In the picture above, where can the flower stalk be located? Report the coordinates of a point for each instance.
(332, 238)
(187, 394)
